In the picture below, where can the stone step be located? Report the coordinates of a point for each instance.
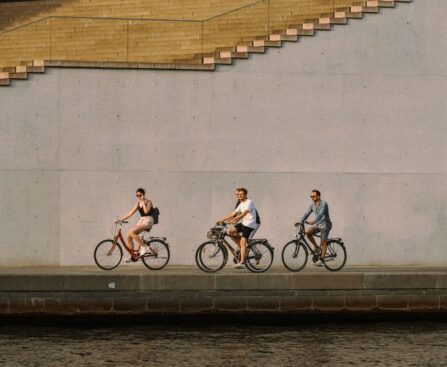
(35, 69)
(371, 9)
(8, 69)
(16, 75)
(233, 55)
(387, 3)
(283, 37)
(266, 43)
(306, 29)
(4, 82)
(355, 12)
(251, 49)
(339, 21)
(217, 60)
(321, 24)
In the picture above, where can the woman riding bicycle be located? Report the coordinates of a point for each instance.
(144, 206)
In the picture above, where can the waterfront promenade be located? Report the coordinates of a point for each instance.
(185, 290)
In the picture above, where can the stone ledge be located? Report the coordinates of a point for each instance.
(196, 280)
(198, 302)
(401, 280)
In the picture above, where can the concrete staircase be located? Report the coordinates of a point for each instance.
(221, 39)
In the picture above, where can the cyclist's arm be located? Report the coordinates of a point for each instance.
(147, 205)
(306, 214)
(231, 215)
(239, 217)
(132, 212)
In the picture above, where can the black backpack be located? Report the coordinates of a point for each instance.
(154, 212)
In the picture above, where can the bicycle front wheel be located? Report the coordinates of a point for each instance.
(335, 257)
(259, 257)
(294, 256)
(158, 256)
(108, 254)
(211, 256)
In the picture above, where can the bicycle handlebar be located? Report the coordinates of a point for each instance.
(300, 227)
(223, 224)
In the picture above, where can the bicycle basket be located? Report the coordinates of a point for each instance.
(214, 233)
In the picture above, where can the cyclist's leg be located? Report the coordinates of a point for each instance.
(324, 229)
(144, 224)
(309, 232)
(243, 245)
(246, 231)
(233, 232)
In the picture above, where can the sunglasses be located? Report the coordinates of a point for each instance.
(313, 196)
(139, 196)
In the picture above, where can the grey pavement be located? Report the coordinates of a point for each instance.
(139, 269)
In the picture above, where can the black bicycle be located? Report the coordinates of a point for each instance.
(212, 255)
(296, 252)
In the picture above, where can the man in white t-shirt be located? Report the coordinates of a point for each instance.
(247, 212)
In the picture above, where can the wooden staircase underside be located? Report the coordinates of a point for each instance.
(207, 61)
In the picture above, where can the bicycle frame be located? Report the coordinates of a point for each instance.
(116, 240)
(300, 236)
(230, 248)
(221, 238)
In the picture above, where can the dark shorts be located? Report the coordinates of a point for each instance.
(245, 231)
(323, 229)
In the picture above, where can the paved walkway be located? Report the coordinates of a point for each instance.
(134, 269)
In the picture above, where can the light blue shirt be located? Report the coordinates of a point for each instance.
(321, 213)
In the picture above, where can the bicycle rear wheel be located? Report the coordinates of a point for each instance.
(158, 256)
(108, 254)
(211, 256)
(259, 257)
(336, 256)
(294, 255)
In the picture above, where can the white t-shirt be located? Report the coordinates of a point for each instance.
(250, 219)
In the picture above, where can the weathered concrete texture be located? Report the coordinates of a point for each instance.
(357, 112)
(77, 291)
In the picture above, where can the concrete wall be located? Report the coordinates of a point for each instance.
(358, 112)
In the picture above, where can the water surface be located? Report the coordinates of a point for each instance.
(383, 344)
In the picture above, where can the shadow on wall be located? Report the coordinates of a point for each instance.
(16, 13)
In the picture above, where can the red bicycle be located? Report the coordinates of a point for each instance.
(109, 253)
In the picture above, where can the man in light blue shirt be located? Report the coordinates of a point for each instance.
(321, 223)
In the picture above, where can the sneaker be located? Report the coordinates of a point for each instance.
(143, 250)
(239, 266)
(318, 263)
(128, 260)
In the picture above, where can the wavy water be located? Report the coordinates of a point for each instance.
(412, 344)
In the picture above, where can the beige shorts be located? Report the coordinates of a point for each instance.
(146, 222)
